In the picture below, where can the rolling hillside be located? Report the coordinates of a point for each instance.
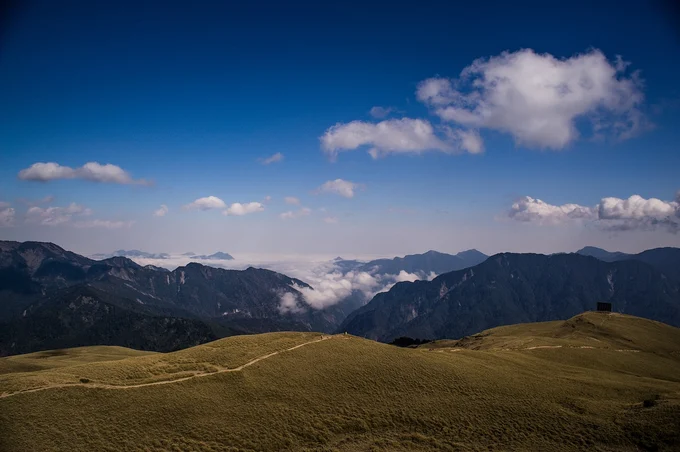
(596, 381)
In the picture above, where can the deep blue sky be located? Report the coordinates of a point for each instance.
(192, 94)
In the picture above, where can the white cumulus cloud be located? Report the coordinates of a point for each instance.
(537, 98)
(206, 203)
(92, 171)
(404, 135)
(272, 159)
(614, 214)
(238, 209)
(340, 187)
(162, 210)
(528, 209)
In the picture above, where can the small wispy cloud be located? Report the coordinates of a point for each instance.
(291, 200)
(379, 112)
(401, 210)
(7, 215)
(53, 216)
(271, 159)
(105, 224)
(340, 187)
(291, 214)
(330, 220)
(162, 211)
(37, 202)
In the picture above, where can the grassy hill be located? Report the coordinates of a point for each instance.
(596, 381)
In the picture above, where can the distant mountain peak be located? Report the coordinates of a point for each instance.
(215, 256)
(471, 253)
(121, 261)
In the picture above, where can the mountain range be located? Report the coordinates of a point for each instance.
(132, 254)
(518, 288)
(52, 298)
(42, 288)
(421, 264)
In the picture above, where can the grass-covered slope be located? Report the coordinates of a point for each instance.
(596, 382)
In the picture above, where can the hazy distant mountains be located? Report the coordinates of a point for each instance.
(421, 264)
(215, 256)
(515, 288)
(144, 255)
(665, 259)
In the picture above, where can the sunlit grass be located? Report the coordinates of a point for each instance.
(351, 394)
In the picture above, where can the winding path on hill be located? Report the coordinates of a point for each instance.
(165, 382)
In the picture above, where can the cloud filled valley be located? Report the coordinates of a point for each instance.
(332, 280)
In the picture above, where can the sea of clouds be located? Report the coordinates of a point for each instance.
(331, 284)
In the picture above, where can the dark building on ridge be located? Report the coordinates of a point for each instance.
(604, 307)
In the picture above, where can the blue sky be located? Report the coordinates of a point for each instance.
(191, 96)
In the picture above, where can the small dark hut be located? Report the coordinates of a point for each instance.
(604, 307)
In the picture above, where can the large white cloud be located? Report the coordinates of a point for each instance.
(391, 136)
(53, 216)
(238, 209)
(610, 213)
(637, 212)
(537, 98)
(92, 171)
(206, 203)
(340, 187)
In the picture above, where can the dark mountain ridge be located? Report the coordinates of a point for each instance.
(515, 288)
(225, 301)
